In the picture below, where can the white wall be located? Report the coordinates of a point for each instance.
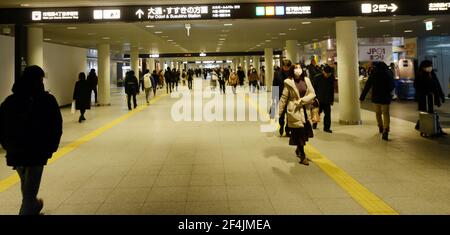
(6, 66)
(62, 64)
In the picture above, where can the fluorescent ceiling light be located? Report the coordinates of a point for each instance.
(158, 32)
(282, 34)
(202, 54)
(106, 38)
(306, 22)
(71, 27)
(384, 21)
(408, 31)
(227, 24)
(47, 39)
(149, 26)
(222, 39)
(170, 40)
(292, 29)
(268, 40)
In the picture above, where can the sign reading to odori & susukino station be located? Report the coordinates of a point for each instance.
(317, 9)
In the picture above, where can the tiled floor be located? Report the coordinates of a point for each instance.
(150, 164)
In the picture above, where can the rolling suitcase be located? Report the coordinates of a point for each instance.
(429, 120)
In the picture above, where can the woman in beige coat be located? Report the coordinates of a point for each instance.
(298, 93)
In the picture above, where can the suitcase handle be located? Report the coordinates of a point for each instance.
(429, 109)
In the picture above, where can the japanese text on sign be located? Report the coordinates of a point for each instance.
(190, 12)
(378, 8)
(298, 10)
(223, 11)
(54, 15)
(439, 6)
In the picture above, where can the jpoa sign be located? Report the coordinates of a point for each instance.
(375, 53)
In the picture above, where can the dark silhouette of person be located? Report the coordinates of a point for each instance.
(30, 132)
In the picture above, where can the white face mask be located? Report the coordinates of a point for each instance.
(428, 69)
(297, 72)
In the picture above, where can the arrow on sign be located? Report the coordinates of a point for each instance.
(393, 7)
(139, 13)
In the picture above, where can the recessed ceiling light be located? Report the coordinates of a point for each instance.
(292, 29)
(24, 5)
(47, 39)
(222, 39)
(306, 22)
(71, 27)
(268, 40)
(227, 24)
(164, 36)
(282, 34)
(408, 31)
(170, 40)
(158, 32)
(385, 21)
(106, 38)
(149, 26)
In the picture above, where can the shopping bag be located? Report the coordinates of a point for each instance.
(72, 109)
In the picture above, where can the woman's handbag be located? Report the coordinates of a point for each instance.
(308, 128)
(315, 115)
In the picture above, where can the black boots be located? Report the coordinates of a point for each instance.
(385, 135)
(314, 126)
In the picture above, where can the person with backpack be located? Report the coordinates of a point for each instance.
(93, 82)
(30, 132)
(233, 81)
(382, 83)
(131, 88)
(147, 82)
(82, 96)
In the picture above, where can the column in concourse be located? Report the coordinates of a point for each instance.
(246, 65)
(103, 74)
(268, 64)
(134, 60)
(35, 46)
(291, 51)
(347, 61)
(151, 65)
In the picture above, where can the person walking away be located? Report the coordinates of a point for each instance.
(177, 79)
(147, 82)
(298, 93)
(382, 83)
(324, 88)
(154, 79)
(214, 79)
(161, 79)
(233, 81)
(82, 95)
(428, 89)
(168, 78)
(190, 75)
(93, 81)
(30, 132)
(131, 88)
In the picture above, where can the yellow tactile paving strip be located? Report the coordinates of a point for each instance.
(10, 181)
(368, 200)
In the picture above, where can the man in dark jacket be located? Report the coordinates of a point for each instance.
(93, 82)
(82, 96)
(382, 83)
(241, 76)
(324, 88)
(30, 132)
(131, 88)
(168, 77)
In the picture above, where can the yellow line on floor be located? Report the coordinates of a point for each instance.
(368, 200)
(11, 180)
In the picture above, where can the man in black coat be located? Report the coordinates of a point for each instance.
(93, 82)
(82, 95)
(278, 82)
(30, 132)
(324, 88)
(382, 83)
(241, 76)
(131, 88)
(168, 77)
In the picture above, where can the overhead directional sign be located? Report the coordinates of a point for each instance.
(367, 8)
(279, 10)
